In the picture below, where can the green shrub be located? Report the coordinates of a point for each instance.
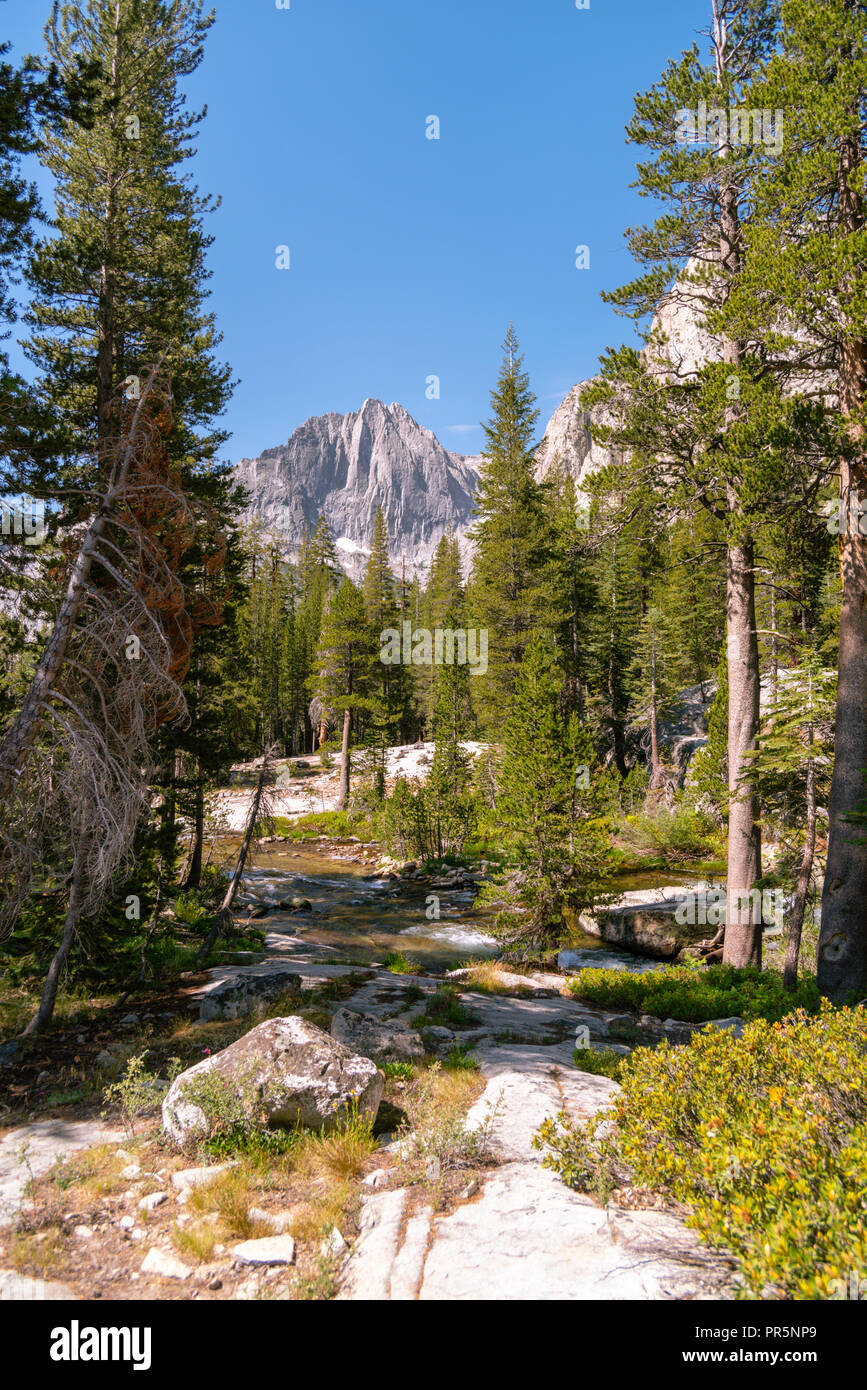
(398, 1071)
(718, 991)
(458, 1059)
(399, 964)
(763, 1138)
(679, 835)
(338, 824)
(189, 909)
(139, 1091)
(443, 1008)
(601, 1061)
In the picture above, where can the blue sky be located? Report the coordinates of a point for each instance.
(409, 256)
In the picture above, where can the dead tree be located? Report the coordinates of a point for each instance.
(75, 763)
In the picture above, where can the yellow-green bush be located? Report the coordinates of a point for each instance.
(763, 1138)
(678, 991)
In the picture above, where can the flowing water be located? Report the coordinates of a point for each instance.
(364, 917)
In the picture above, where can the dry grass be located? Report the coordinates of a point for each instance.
(314, 1220)
(87, 1176)
(223, 1208)
(485, 976)
(198, 1242)
(435, 1141)
(230, 1196)
(39, 1252)
(336, 1157)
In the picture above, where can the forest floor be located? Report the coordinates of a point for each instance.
(448, 1199)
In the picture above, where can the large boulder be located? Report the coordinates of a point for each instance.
(382, 1042)
(646, 922)
(285, 1071)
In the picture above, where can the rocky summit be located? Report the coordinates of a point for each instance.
(347, 466)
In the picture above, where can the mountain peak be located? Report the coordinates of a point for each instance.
(347, 467)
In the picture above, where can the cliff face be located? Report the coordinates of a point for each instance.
(680, 343)
(568, 441)
(349, 465)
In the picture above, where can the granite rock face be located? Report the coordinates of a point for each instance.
(347, 466)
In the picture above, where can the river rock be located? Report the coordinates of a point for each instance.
(646, 923)
(164, 1264)
(382, 1042)
(286, 1070)
(269, 1250)
(236, 995)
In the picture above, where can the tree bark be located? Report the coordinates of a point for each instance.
(343, 786)
(796, 921)
(743, 934)
(224, 916)
(842, 961)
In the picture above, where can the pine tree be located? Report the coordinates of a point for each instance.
(513, 536)
(122, 280)
(807, 266)
(790, 773)
(655, 687)
(390, 686)
(573, 571)
(708, 777)
(730, 440)
(342, 670)
(544, 804)
(319, 577)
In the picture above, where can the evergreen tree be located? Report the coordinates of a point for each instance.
(730, 441)
(122, 280)
(545, 804)
(708, 777)
(319, 577)
(342, 670)
(807, 267)
(513, 536)
(573, 570)
(390, 686)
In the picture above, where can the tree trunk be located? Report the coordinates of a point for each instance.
(194, 873)
(343, 787)
(106, 351)
(43, 1015)
(743, 934)
(775, 647)
(842, 963)
(655, 764)
(224, 916)
(796, 921)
